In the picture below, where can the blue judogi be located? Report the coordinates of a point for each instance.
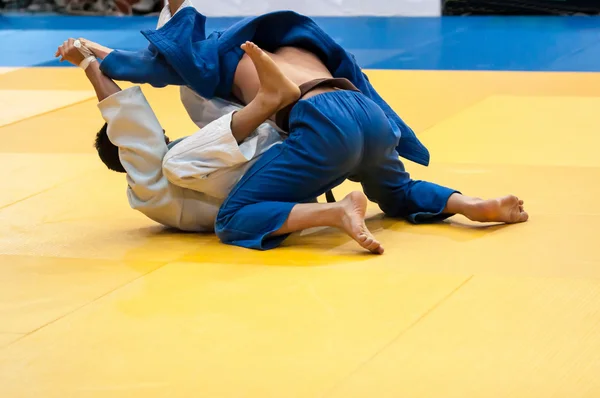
(333, 136)
(180, 54)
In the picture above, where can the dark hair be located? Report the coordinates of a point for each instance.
(108, 152)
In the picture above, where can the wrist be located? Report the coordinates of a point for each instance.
(93, 69)
(86, 62)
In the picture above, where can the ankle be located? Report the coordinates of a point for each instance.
(333, 214)
(460, 204)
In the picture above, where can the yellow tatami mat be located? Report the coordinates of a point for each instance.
(16, 105)
(98, 301)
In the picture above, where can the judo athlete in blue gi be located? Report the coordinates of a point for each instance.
(339, 129)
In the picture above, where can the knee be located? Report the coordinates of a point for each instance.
(223, 221)
(222, 234)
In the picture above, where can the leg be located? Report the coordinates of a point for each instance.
(391, 187)
(420, 201)
(276, 91)
(324, 146)
(347, 215)
(386, 182)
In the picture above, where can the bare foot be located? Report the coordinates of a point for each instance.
(354, 207)
(508, 209)
(275, 89)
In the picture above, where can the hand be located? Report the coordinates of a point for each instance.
(68, 52)
(98, 50)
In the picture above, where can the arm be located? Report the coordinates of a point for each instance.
(144, 66)
(132, 127)
(103, 85)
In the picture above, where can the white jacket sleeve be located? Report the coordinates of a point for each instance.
(133, 127)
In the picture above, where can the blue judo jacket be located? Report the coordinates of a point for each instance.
(180, 54)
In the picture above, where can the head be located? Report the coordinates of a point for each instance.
(108, 152)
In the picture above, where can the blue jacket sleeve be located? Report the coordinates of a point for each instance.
(145, 66)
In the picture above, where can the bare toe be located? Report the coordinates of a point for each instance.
(369, 243)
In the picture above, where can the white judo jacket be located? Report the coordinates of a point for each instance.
(182, 187)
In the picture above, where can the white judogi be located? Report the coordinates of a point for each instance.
(210, 159)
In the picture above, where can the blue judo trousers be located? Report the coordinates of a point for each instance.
(333, 136)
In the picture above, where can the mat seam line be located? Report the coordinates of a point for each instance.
(399, 335)
(47, 112)
(45, 190)
(85, 304)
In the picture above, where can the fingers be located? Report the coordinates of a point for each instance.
(64, 48)
(60, 51)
